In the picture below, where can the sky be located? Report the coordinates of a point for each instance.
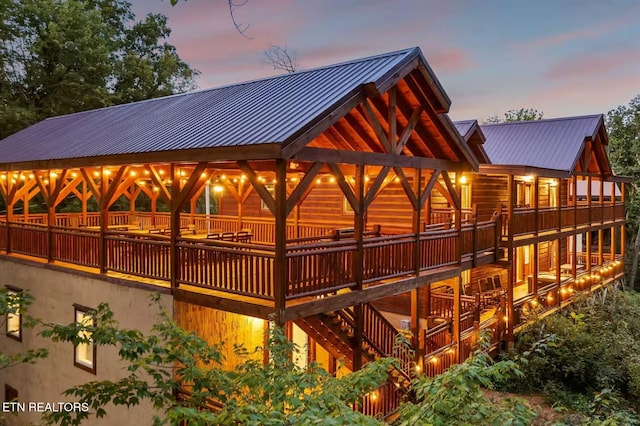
(561, 57)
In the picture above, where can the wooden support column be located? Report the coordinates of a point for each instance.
(85, 198)
(457, 306)
(600, 231)
(511, 189)
(558, 277)
(415, 294)
(623, 236)
(612, 250)
(589, 240)
(536, 246)
(104, 221)
(174, 207)
(280, 261)
(358, 266)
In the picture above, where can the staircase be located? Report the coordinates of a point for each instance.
(335, 332)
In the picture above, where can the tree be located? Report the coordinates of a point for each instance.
(233, 4)
(522, 114)
(180, 373)
(281, 58)
(64, 56)
(623, 124)
(456, 396)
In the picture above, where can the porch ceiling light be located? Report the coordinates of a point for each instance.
(218, 188)
(463, 179)
(332, 179)
(554, 182)
(528, 178)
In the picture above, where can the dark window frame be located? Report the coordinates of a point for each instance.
(77, 308)
(13, 335)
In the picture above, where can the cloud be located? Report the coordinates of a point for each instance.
(586, 32)
(451, 60)
(594, 66)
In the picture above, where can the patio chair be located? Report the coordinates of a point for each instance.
(228, 236)
(497, 284)
(214, 235)
(243, 237)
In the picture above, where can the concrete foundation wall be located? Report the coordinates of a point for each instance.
(55, 293)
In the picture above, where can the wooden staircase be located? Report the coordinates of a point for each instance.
(335, 332)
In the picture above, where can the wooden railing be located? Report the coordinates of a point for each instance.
(440, 215)
(29, 239)
(524, 221)
(78, 246)
(442, 304)
(387, 257)
(381, 337)
(320, 268)
(380, 334)
(143, 257)
(439, 248)
(238, 268)
(437, 337)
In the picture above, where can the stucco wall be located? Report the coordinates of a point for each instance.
(55, 293)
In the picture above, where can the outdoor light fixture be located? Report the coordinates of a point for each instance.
(553, 183)
(218, 188)
(463, 179)
(528, 178)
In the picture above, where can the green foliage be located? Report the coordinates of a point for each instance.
(522, 114)
(623, 125)
(17, 303)
(160, 364)
(586, 358)
(457, 397)
(64, 56)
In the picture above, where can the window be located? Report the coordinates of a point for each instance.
(84, 354)
(270, 188)
(10, 393)
(14, 319)
(346, 206)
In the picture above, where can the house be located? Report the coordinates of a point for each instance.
(341, 202)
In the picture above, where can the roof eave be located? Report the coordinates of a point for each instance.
(522, 170)
(264, 151)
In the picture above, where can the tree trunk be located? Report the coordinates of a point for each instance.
(634, 260)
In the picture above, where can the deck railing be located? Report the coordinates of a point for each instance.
(76, 246)
(318, 268)
(245, 269)
(524, 219)
(144, 257)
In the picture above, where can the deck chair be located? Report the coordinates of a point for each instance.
(243, 237)
(228, 236)
(214, 235)
(497, 284)
(484, 285)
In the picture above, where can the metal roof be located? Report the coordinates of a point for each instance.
(551, 144)
(263, 111)
(464, 127)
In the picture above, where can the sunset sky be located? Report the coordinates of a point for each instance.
(562, 57)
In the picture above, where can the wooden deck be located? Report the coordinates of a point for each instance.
(316, 266)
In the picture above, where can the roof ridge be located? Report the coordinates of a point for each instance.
(242, 83)
(543, 120)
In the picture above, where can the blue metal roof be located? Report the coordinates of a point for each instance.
(464, 127)
(551, 144)
(263, 111)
